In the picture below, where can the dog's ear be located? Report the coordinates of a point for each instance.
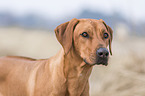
(64, 34)
(111, 35)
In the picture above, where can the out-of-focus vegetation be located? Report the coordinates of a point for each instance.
(124, 76)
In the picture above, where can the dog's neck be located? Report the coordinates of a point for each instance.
(76, 73)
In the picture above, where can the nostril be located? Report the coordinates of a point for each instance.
(100, 53)
(106, 54)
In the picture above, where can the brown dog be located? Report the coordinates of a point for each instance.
(84, 43)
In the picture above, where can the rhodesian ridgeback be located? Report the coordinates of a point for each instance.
(84, 44)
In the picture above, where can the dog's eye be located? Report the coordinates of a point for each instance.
(106, 35)
(85, 34)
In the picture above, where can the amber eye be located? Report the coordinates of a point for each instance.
(85, 34)
(106, 35)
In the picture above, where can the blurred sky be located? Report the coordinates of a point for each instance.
(131, 9)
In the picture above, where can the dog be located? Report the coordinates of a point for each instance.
(84, 44)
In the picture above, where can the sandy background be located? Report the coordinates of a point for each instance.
(125, 75)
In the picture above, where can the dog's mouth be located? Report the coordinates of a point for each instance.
(99, 61)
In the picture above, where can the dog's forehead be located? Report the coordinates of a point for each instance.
(94, 23)
(90, 20)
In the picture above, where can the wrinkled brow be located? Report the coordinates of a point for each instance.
(104, 30)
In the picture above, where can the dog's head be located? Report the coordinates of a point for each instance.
(89, 38)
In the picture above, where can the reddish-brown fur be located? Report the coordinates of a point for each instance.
(64, 74)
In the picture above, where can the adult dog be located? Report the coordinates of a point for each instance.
(84, 43)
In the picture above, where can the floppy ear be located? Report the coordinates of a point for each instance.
(111, 34)
(110, 40)
(64, 34)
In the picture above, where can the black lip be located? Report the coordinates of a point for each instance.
(103, 61)
(99, 62)
(87, 62)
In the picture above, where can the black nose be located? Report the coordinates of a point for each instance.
(102, 52)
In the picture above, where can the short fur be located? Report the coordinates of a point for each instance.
(66, 73)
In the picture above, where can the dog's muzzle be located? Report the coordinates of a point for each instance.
(102, 56)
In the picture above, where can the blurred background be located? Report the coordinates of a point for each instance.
(26, 29)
